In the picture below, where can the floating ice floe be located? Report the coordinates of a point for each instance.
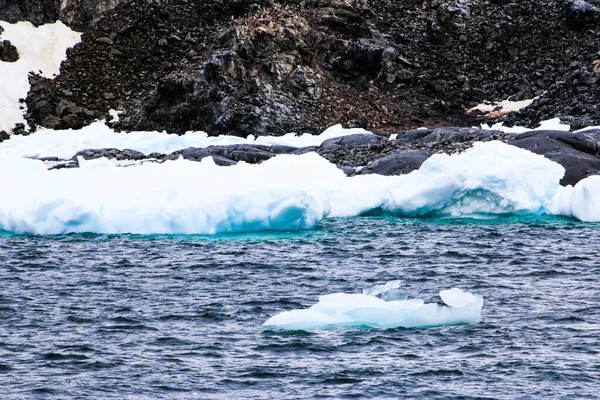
(341, 310)
(41, 50)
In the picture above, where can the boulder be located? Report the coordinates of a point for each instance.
(8, 52)
(398, 163)
(231, 154)
(450, 135)
(576, 152)
(352, 141)
(92, 154)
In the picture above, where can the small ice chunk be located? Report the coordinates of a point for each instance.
(343, 310)
(387, 291)
(457, 298)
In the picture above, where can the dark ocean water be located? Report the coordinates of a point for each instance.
(179, 317)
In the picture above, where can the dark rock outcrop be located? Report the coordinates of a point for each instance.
(352, 141)
(116, 154)
(450, 135)
(38, 12)
(274, 66)
(576, 152)
(398, 163)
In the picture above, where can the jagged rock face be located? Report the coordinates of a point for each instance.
(38, 12)
(268, 67)
(79, 14)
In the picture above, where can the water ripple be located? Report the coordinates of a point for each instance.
(130, 316)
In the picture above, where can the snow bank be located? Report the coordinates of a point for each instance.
(549, 124)
(41, 50)
(65, 143)
(286, 192)
(361, 310)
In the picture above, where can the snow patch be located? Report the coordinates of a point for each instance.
(491, 109)
(550, 124)
(41, 49)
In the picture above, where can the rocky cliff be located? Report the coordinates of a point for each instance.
(268, 67)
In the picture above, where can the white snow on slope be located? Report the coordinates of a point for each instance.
(285, 193)
(496, 109)
(41, 50)
(360, 310)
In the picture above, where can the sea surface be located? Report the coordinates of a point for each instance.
(179, 317)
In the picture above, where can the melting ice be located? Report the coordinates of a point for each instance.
(362, 310)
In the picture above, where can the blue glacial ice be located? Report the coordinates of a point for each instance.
(342, 310)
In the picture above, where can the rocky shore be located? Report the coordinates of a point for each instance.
(274, 66)
(361, 154)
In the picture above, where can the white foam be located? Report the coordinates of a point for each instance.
(64, 144)
(361, 310)
(41, 50)
(286, 192)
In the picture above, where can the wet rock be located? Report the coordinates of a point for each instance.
(8, 52)
(576, 152)
(351, 141)
(249, 153)
(398, 163)
(116, 154)
(452, 135)
(304, 150)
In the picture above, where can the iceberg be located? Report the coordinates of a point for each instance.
(581, 202)
(342, 310)
(287, 192)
